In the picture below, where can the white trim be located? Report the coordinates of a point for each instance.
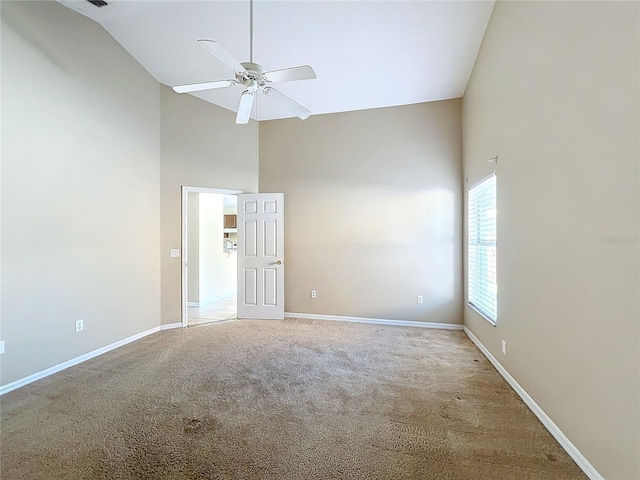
(186, 189)
(378, 321)
(193, 304)
(220, 191)
(564, 442)
(82, 358)
(171, 326)
(481, 180)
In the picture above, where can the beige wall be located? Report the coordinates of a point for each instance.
(555, 93)
(373, 210)
(80, 193)
(201, 146)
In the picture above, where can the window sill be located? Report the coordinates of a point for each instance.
(492, 322)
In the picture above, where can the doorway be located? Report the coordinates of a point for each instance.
(209, 243)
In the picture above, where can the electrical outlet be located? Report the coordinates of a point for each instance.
(420, 299)
(1, 347)
(504, 347)
(313, 294)
(79, 325)
(175, 252)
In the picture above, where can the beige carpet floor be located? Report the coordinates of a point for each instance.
(292, 399)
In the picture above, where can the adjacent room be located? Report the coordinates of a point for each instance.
(440, 200)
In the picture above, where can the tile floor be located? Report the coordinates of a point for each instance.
(224, 309)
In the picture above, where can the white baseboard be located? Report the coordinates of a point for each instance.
(170, 326)
(564, 442)
(82, 358)
(378, 321)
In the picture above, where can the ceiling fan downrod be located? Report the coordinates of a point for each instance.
(251, 31)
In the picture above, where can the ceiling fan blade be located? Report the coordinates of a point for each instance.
(244, 109)
(303, 72)
(294, 107)
(221, 54)
(196, 87)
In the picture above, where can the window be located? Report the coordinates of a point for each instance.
(481, 281)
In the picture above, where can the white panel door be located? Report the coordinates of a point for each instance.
(261, 255)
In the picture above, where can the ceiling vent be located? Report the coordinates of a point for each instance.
(98, 3)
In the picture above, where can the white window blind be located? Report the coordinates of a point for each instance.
(482, 285)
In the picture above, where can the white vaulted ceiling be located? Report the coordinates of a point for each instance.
(366, 54)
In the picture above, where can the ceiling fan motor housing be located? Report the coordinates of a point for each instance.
(253, 75)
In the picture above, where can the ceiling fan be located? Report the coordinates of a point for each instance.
(253, 77)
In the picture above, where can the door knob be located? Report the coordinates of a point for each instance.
(279, 262)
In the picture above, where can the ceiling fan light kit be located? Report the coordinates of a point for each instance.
(253, 77)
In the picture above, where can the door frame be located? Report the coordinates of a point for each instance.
(186, 189)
